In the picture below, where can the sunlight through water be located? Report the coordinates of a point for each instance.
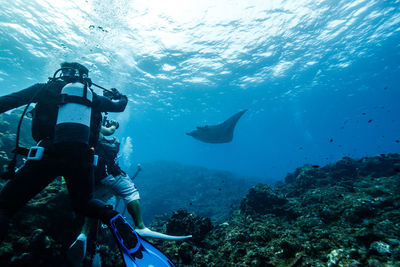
(185, 63)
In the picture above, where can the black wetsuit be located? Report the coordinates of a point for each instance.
(71, 160)
(107, 150)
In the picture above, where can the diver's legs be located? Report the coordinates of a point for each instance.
(87, 225)
(135, 212)
(140, 228)
(80, 185)
(123, 187)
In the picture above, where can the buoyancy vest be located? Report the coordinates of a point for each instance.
(74, 114)
(44, 115)
(107, 150)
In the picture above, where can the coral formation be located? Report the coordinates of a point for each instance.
(344, 214)
(182, 222)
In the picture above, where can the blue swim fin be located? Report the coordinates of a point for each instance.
(136, 251)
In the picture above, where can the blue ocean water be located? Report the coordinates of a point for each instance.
(320, 79)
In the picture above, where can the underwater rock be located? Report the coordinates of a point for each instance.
(7, 143)
(261, 199)
(380, 166)
(290, 247)
(35, 235)
(328, 215)
(23, 259)
(4, 125)
(185, 253)
(334, 257)
(39, 240)
(8, 127)
(380, 248)
(23, 243)
(4, 159)
(184, 223)
(365, 236)
(359, 212)
(303, 179)
(344, 169)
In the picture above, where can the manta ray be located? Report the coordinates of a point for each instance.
(217, 134)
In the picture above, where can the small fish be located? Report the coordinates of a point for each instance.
(383, 155)
(331, 140)
(219, 189)
(369, 121)
(397, 170)
(397, 141)
(364, 113)
(315, 166)
(190, 203)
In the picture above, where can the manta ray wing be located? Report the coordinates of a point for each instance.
(220, 133)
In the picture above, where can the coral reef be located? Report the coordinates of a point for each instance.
(8, 131)
(34, 237)
(182, 222)
(343, 214)
(337, 215)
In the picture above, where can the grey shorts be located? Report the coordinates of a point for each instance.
(121, 186)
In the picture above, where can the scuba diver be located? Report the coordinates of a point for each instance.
(111, 180)
(66, 123)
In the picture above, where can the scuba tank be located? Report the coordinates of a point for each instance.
(74, 113)
(68, 126)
